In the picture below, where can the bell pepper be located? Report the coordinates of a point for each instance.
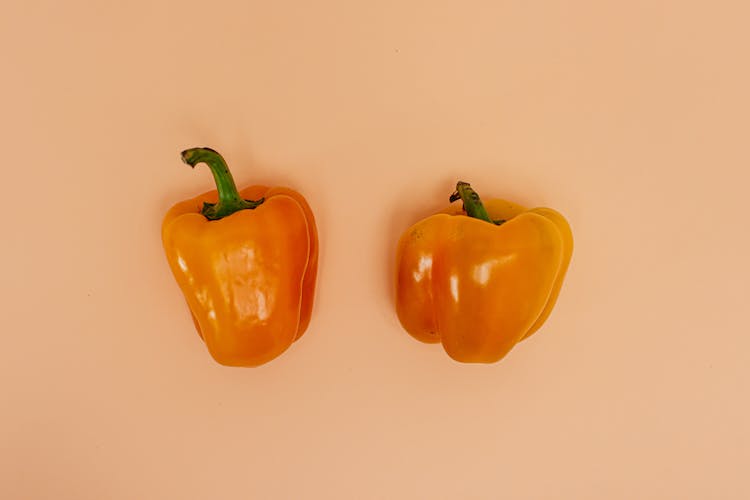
(246, 262)
(481, 277)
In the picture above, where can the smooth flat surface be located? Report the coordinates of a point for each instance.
(631, 118)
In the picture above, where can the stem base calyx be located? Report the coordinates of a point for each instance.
(473, 205)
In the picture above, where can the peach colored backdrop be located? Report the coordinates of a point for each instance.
(629, 117)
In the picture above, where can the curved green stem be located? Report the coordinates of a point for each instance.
(472, 203)
(230, 200)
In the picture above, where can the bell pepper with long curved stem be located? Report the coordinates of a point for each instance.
(480, 278)
(246, 262)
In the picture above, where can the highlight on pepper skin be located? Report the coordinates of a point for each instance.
(246, 262)
(480, 277)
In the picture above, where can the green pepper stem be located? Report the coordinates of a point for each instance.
(230, 200)
(472, 203)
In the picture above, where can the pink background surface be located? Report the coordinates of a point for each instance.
(631, 118)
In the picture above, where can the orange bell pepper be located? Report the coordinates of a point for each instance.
(246, 268)
(481, 278)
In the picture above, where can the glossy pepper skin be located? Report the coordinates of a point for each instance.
(481, 278)
(246, 268)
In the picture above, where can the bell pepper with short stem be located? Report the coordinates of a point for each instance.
(480, 278)
(246, 262)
